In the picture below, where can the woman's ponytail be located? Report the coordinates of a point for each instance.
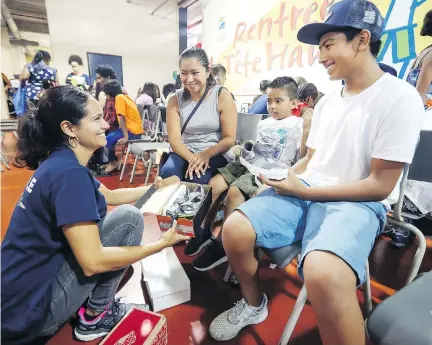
(32, 145)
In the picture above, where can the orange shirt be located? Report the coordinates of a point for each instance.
(126, 107)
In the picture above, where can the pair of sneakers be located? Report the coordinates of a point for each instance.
(100, 326)
(184, 203)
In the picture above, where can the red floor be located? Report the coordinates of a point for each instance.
(188, 323)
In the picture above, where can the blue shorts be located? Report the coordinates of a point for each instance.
(347, 229)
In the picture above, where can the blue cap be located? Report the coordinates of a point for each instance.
(358, 14)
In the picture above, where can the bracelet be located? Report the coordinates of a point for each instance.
(206, 154)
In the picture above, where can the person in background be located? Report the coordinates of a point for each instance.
(334, 200)
(300, 81)
(219, 74)
(148, 95)
(263, 88)
(104, 73)
(307, 98)
(420, 75)
(35, 72)
(77, 78)
(130, 123)
(63, 253)
(167, 90)
(158, 96)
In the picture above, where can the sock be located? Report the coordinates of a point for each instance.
(258, 309)
(90, 317)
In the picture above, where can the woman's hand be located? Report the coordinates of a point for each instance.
(198, 164)
(171, 237)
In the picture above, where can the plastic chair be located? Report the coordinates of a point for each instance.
(404, 318)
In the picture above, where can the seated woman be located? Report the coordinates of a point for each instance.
(61, 248)
(198, 148)
(130, 123)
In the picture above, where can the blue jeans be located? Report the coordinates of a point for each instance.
(112, 139)
(346, 229)
(70, 288)
(176, 166)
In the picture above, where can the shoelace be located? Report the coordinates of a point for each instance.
(236, 311)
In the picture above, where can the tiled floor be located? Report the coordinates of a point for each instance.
(188, 323)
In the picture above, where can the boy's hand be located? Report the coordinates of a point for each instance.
(291, 186)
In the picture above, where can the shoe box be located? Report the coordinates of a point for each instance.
(165, 280)
(154, 200)
(139, 327)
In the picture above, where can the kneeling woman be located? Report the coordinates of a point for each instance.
(61, 247)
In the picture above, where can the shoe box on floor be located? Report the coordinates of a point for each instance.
(139, 327)
(165, 279)
(154, 200)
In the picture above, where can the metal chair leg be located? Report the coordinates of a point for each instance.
(124, 162)
(228, 274)
(295, 315)
(367, 290)
(133, 169)
(149, 167)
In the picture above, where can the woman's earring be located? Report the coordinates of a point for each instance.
(73, 142)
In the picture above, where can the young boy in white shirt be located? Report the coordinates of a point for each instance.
(279, 136)
(335, 199)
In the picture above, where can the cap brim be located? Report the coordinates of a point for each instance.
(312, 33)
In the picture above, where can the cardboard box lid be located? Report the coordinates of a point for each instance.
(164, 274)
(137, 327)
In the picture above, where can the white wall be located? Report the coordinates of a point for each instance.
(148, 44)
(12, 56)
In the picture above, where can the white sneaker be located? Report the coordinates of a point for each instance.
(228, 324)
(172, 207)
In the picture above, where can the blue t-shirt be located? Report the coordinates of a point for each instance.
(60, 192)
(259, 106)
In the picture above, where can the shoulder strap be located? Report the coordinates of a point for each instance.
(194, 110)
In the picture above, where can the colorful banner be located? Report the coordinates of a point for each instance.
(257, 40)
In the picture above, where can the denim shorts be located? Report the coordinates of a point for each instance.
(346, 229)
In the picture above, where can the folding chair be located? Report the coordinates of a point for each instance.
(150, 142)
(421, 166)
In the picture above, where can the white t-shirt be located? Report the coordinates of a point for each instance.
(283, 136)
(382, 122)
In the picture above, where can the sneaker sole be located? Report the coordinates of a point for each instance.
(270, 174)
(213, 265)
(89, 337)
(256, 322)
(204, 244)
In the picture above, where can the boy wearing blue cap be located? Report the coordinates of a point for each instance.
(336, 198)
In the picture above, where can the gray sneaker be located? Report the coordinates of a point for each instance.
(257, 158)
(227, 325)
(105, 322)
(180, 197)
(192, 205)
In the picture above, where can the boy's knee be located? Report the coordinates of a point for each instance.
(237, 231)
(325, 273)
(235, 194)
